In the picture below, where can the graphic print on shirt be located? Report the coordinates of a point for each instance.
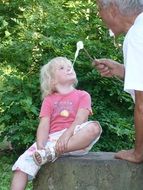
(63, 108)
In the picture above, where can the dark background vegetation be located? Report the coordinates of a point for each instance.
(34, 31)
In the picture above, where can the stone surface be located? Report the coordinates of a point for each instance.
(95, 171)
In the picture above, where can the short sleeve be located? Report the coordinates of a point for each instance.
(85, 101)
(134, 66)
(46, 108)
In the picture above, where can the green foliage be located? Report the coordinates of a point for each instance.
(33, 32)
(5, 168)
(19, 111)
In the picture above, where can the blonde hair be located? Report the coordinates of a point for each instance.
(47, 75)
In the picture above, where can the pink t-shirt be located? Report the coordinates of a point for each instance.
(62, 109)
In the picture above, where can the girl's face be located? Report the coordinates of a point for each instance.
(64, 73)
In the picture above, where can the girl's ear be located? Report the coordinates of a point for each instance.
(53, 82)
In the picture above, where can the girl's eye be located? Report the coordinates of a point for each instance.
(61, 68)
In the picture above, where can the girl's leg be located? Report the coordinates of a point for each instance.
(19, 180)
(84, 137)
(80, 140)
(23, 168)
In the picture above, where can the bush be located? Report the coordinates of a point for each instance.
(32, 33)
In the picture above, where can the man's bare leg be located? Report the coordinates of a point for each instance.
(136, 155)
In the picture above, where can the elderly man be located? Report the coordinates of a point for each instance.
(126, 16)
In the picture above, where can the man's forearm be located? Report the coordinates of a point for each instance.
(121, 71)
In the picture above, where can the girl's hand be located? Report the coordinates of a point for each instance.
(40, 146)
(62, 143)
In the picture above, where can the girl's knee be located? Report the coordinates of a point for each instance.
(95, 129)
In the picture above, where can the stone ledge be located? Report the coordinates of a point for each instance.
(95, 171)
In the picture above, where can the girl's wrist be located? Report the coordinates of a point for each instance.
(40, 145)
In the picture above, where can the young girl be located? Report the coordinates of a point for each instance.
(64, 127)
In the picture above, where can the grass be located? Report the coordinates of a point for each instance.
(7, 159)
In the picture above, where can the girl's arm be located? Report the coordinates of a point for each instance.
(81, 117)
(43, 132)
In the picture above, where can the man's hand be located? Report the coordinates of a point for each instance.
(109, 68)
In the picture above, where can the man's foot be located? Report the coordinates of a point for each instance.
(129, 155)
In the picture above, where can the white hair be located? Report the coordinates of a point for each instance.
(47, 75)
(126, 7)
